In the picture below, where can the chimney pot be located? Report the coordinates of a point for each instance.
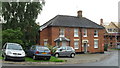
(101, 21)
(79, 13)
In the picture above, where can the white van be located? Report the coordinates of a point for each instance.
(13, 51)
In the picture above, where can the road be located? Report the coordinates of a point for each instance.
(110, 61)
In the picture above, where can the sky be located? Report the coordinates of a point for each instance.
(92, 9)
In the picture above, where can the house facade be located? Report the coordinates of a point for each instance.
(78, 32)
(112, 35)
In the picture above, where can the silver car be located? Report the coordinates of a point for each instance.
(65, 51)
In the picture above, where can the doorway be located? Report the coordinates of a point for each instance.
(63, 43)
(85, 47)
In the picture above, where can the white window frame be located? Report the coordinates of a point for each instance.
(76, 32)
(62, 32)
(85, 32)
(76, 44)
(45, 43)
(96, 31)
(96, 45)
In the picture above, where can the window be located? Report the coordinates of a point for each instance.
(76, 32)
(111, 44)
(96, 43)
(109, 30)
(62, 30)
(57, 43)
(111, 38)
(84, 32)
(76, 45)
(45, 43)
(95, 33)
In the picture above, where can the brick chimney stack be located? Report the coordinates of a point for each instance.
(79, 13)
(101, 21)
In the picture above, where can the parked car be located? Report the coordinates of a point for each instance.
(13, 51)
(65, 51)
(37, 51)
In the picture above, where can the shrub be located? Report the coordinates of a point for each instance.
(52, 49)
(105, 47)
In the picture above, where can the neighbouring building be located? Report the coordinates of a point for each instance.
(112, 35)
(78, 32)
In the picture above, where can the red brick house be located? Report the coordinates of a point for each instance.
(78, 32)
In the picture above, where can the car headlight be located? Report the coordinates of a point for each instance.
(23, 53)
(9, 52)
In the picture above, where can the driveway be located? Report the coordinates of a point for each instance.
(85, 58)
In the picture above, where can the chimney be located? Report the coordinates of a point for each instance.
(79, 13)
(101, 21)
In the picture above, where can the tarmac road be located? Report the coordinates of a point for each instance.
(110, 61)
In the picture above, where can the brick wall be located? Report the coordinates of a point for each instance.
(51, 33)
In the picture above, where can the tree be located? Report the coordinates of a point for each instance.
(22, 15)
(14, 36)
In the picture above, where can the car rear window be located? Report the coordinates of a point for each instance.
(42, 48)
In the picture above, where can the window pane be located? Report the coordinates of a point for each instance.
(95, 32)
(76, 44)
(84, 32)
(62, 32)
(95, 43)
(75, 32)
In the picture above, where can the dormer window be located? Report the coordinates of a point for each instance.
(95, 33)
(62, 32)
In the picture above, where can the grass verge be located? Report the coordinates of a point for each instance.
(52, 59)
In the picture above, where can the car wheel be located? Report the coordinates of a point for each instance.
(57, 55)
(34, 57)
(72, 55)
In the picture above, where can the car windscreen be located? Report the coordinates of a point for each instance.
(42, 48)
(14, 47)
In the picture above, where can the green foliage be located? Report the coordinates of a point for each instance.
(13, 36)
(51, 48)
(52, 59)
(22, 15)
(105, 47)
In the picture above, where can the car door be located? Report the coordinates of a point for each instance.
(68, 51)
(62, 51)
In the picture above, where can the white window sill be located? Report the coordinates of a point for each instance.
(61, 36)
(85, 36)
(76, 36)
(76, 48)
(96, 36)
(95, 47)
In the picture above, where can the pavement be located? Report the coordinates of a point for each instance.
(79, 59)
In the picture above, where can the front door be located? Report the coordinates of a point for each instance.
(63, 43)
(85, 47)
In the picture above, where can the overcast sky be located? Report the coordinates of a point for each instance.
(92, 9)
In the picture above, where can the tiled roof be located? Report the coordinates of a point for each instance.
(71, 21)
